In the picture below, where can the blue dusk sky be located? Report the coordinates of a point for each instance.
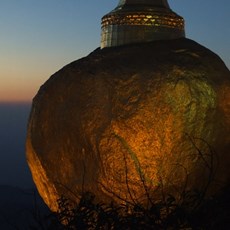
(38, 37)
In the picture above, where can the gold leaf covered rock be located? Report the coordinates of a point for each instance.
(128, 120)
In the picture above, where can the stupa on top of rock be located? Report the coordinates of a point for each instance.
(136, 21)
(147, 113)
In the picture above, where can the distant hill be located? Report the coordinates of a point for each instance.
(13, 166)
(21, 209)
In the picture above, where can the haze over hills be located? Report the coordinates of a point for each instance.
(13, 167)
(17, 190)
(21, 208)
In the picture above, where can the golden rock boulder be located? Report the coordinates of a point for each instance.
(128, 121)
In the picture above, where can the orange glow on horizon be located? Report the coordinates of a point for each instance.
(17, 93)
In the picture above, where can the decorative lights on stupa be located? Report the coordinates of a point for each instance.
(137, 21)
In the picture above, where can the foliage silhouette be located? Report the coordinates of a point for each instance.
(168, 214)
(192, 211)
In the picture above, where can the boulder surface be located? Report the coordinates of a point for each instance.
(127, 122)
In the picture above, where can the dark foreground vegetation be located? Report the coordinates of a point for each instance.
(193, 212)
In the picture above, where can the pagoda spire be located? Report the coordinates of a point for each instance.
(160, 3)
(138, 21)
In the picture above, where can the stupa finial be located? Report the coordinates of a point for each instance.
(137, 21)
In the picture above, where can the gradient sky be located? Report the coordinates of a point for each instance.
(38, 37)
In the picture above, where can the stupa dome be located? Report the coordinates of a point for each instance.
(135, 21)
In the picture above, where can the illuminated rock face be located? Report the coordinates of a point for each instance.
(137, 21)
(126, 120)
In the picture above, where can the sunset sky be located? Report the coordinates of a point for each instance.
(38, 37)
